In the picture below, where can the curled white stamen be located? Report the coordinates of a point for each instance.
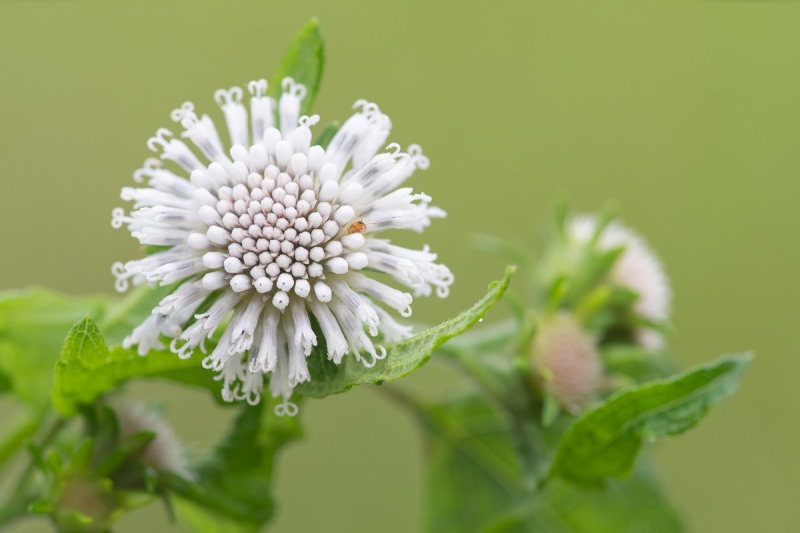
(117, 217)
(177, 115)
(375, 357)
(159, 140)
(149, 167)
(417, 158)
(297, 90)
(286, 408)
(222, 97)
(307, 121)
(258, 88)
(123, 275)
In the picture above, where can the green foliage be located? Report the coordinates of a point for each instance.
(402, 357)
(474, 483)
(196, 517)
(235, 483)
(33, 324)
(503, 458)
(473, 471)
(633, 504)
(88, 369)
(304, 63)
(604, 442)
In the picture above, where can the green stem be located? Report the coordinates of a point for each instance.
(14, 440)
(22, 496)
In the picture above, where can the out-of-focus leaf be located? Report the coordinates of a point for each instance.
(401, 358)
(472, 469)
(33, 324)
(635, 363)
(5, 382)
(198, 518)
(474, 484)
(604, 442)
(633, 504)
(304, 63)
(236, 482)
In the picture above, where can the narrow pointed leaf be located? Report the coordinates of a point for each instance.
(402, 357)
(604, 442)
(304, 63)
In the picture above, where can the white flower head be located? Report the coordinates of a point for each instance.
(637, 269)
(273, 232)
(164, 453)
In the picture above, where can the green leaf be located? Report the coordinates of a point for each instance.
(635, 363)
(604, 442)
(33, 324)
(88, 369)
(304, 63)
(474, 483)
(401, 358)
(133, 445)
(85, 344)
(473, 473)
(5, 382)
(198, 518)
(236, 481)
(634, 504)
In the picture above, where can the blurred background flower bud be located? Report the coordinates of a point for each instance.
(566, 363)
(164, 453)
(637, 269)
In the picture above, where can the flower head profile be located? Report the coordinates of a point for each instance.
(637, 269)
(276, 233)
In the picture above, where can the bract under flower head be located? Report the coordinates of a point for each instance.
(272, 232)
(637, 269)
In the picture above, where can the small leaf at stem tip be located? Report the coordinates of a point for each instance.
(605, 441)
(85, 343)
(88, 369)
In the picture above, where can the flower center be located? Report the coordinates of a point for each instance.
(278, 229)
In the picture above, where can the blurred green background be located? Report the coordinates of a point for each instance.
(685, 113)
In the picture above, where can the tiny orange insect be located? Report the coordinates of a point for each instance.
(357, 227)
